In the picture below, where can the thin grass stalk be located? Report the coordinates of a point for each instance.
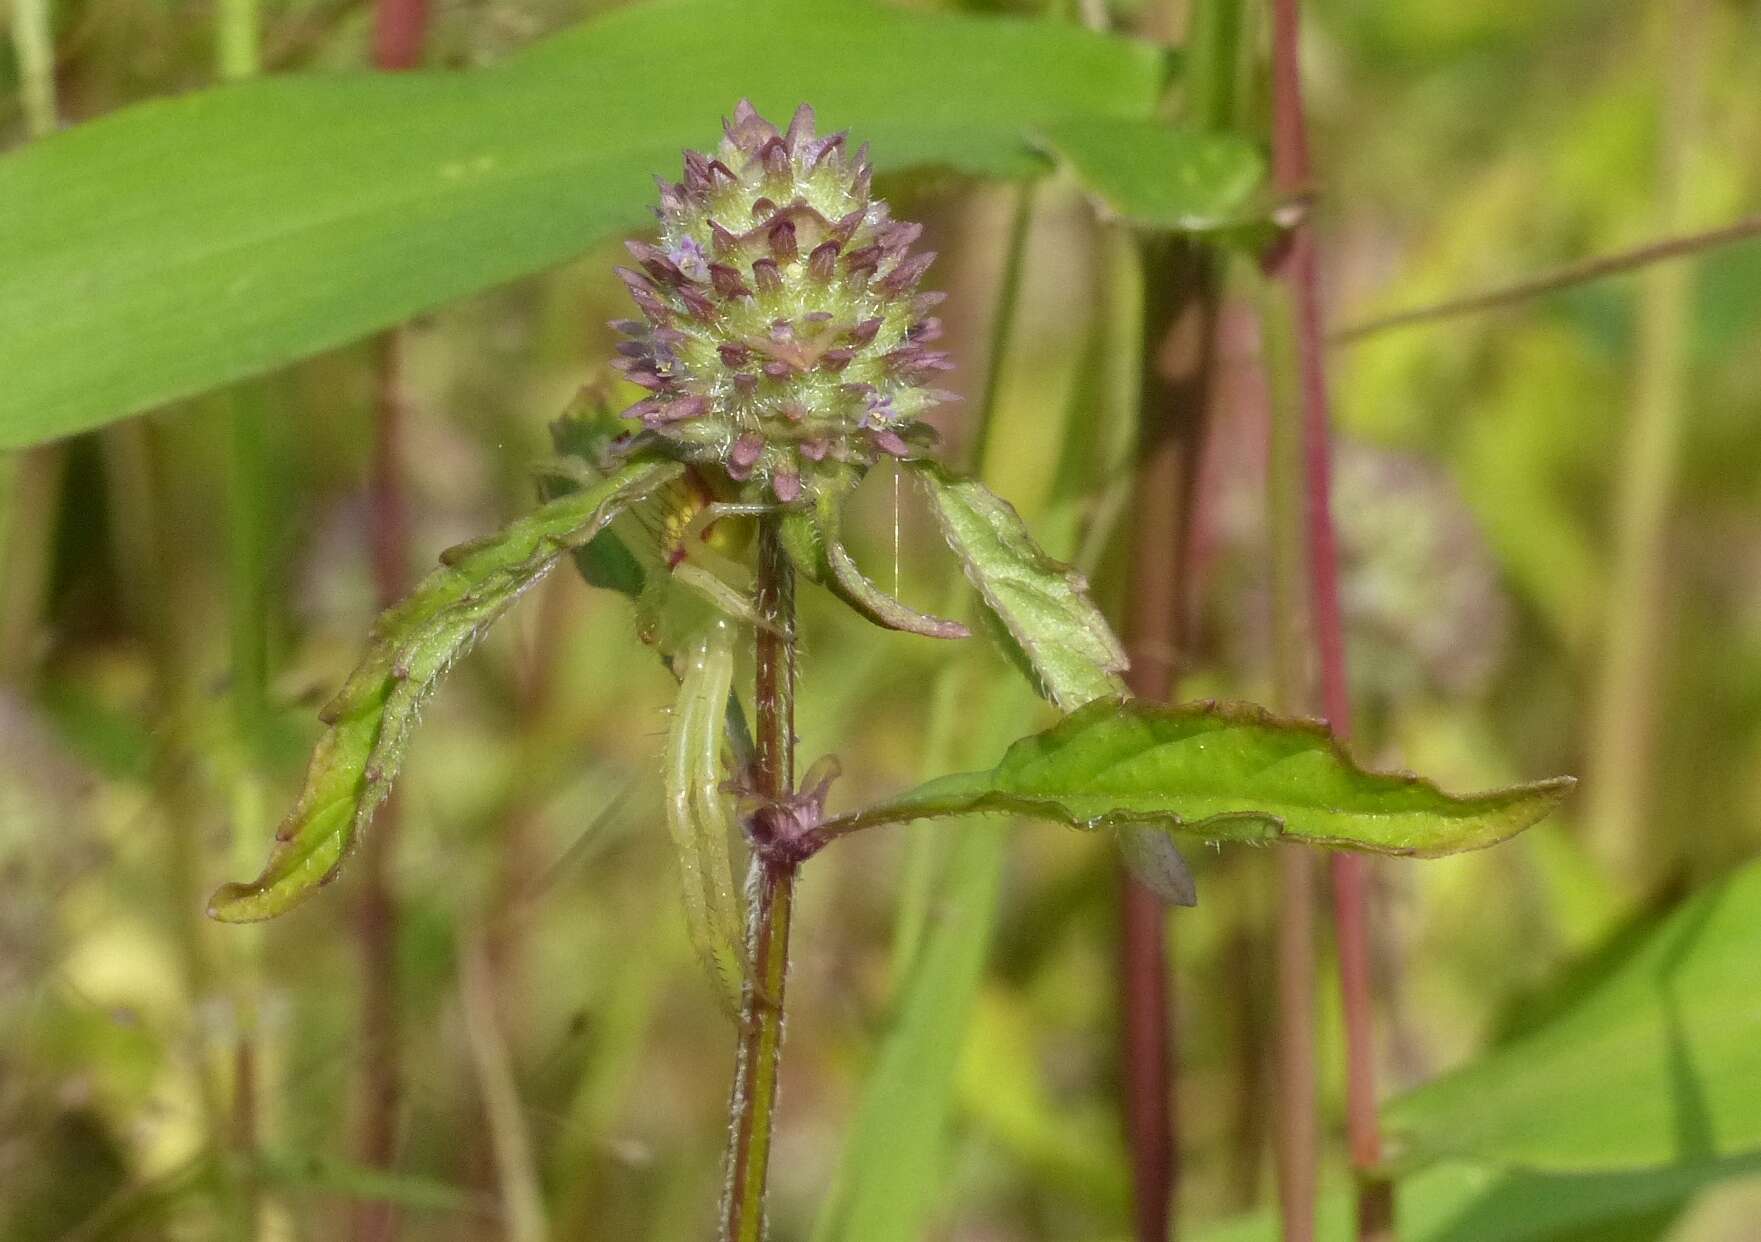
(30, 495)
(926, 845)
(1296, 267)
(237, 40)
(770, 905)
(522, 1198)
(1623, 738)
(1671, 248)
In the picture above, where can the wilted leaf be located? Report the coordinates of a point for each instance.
(412, 645)
(1043, 616)
(1224, 772)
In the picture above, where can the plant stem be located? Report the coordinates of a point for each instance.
(34, 43)
(377, 915)
(236, 58)
(1296, 266)
(239, 34)
(1622, 743)
(771, 899)
(1295, 1135)
(1598, 267)
(1180, 312)
(1181, 297)
(31, 491)
(400, 28)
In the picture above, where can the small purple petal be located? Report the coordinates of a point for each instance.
(822, 263)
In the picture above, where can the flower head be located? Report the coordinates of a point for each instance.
(782, 336)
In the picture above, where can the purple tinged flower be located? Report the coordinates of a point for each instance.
(744, 455)
(787, 486)
(753, 399)
(822, 262)
(766, 276)
(727, 281)
(782, 241)
(888, 441)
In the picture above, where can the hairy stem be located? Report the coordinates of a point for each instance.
(771, 899)
(1296, 267)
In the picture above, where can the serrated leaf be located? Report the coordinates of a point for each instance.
(412, 645)
(1043, 616)
(1658, 1063)
(1223, 772)
(332, 204)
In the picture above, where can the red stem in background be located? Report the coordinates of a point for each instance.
(381, 1081)
(400, 27)
(1180, 314)
(399, 30)
(1297, 266)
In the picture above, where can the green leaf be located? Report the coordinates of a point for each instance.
(895, 1157)
(839, 572)
(1042, 615)
(1657, 1063)
(1459, 1202)
(182, 243)
(412, 645)
(1222, 771)
(585, 432)
(1150, 175)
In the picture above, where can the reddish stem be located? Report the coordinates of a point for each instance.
(1297, 266)
(400, 27)
(377, 915)
(1179, 330)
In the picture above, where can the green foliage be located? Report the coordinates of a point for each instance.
(1657, 1063)
(1040, 609)
(1152, 176)
(329, 206)
(1223, 772)
(832, 564)
(1462, 1202)
(412, 646)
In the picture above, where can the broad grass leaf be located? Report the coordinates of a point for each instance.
(413, 644)
(186, 242)
(1463, 1202)
(1656, 1064)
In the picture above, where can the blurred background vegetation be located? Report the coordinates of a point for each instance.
(1551, 517)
